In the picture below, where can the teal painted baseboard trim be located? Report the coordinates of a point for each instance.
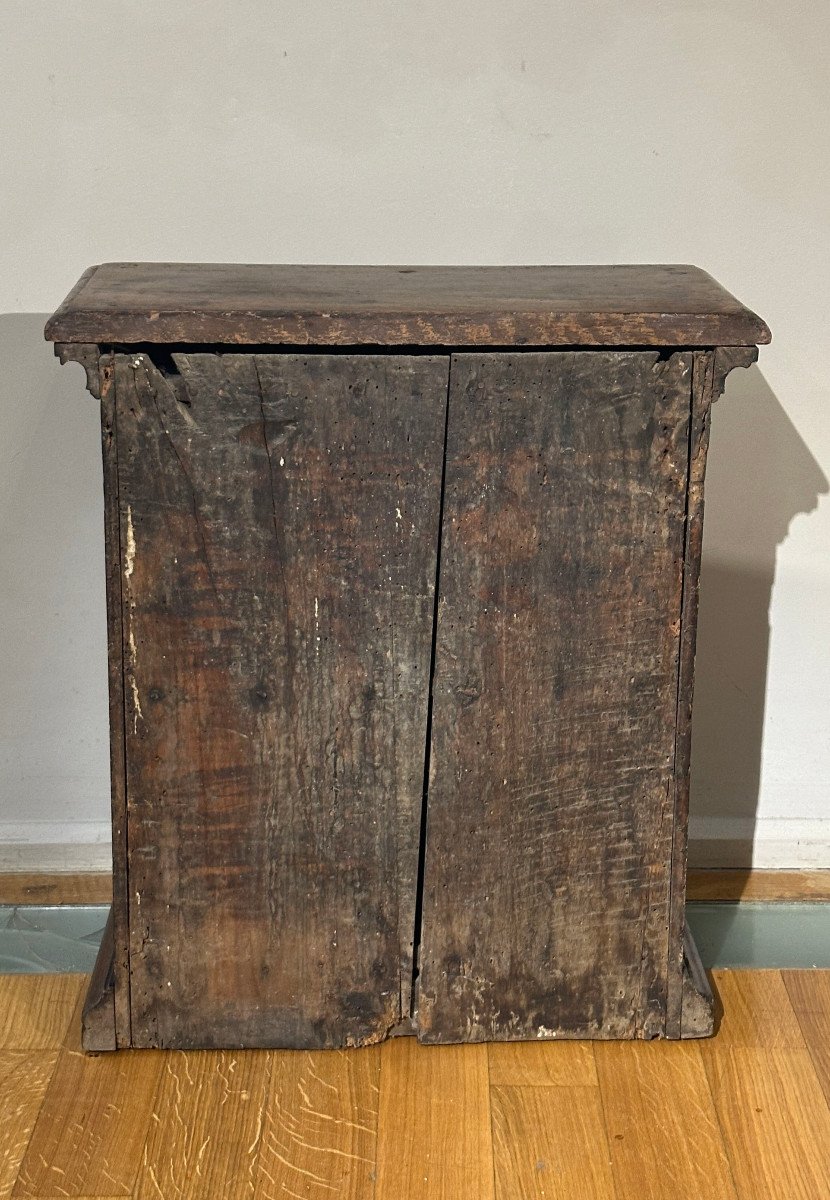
(40, 939)
(759, 934)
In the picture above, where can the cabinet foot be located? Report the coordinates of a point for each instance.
(98, 1020)
(697, 1019)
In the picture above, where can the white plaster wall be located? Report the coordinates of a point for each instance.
(638, 131)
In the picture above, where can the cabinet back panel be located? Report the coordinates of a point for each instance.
(279, 519)
(549, 831)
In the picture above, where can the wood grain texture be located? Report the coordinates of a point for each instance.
(219, 1119)
(771, 1109)
(550, 1143)
(703, 365)
(663, 1132)
(319, 1133)
(35, 888)
(741, 884)
(206, 1127)
(36, 1010)
(775, 1122)
(549, 832)
(809, 993)
(434, 1138)
(451, 306)
(757, 1013)
(698, 1006)
(98, 1017)
(88, 356)
(538, 1064)
(24, 1076)
(115, 679)
(93, 1123)
(279, 530)
(734, 883)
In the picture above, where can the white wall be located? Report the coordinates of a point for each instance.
(689, 131)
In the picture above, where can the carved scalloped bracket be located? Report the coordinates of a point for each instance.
(726, 358)
(89, 356)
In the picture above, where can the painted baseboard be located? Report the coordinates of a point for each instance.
(55, 846)
(764, 843)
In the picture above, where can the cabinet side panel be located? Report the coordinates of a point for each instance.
(549, 831)
(120, 883)
(702, 395)
(280, 519)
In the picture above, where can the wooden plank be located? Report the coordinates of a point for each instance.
(93, 1123)
(775, 1122)
(115, 669)
(703, 368)
(434, 1138)
(24, 1076)
(757, 1013)
(540, 1064)
(697, 1012)
(98, 1019)
(279, 519)
(206, 1127)
(550, 1143)
(808, 990)
(35, 888)
(319, 1132)
(36, 1010)
(809, 993)
(451, 306)
(688, 1010)
(769, 1101)
(741, 884)
(551, 794)
(663, 1132)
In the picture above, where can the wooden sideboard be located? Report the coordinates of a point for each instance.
(402, 576)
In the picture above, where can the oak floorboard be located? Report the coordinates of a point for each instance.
(756, 1013)
(775, 1122)
(24, 1077)
(35, 1010)
(809, 993)
(550, 1143)
(319, 1133)
(93, 1121)
(770, 1105)
(434, 1139)
(222, 1123)
(206, 1126)
(663, 1130)
(540, 1064)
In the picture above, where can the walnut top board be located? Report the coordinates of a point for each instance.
(210, 303)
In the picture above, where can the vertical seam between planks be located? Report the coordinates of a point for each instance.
(422, 837)
(125, 836)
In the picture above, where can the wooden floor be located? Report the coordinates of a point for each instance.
(744, 1115)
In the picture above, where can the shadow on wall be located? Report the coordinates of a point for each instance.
(760, 475)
